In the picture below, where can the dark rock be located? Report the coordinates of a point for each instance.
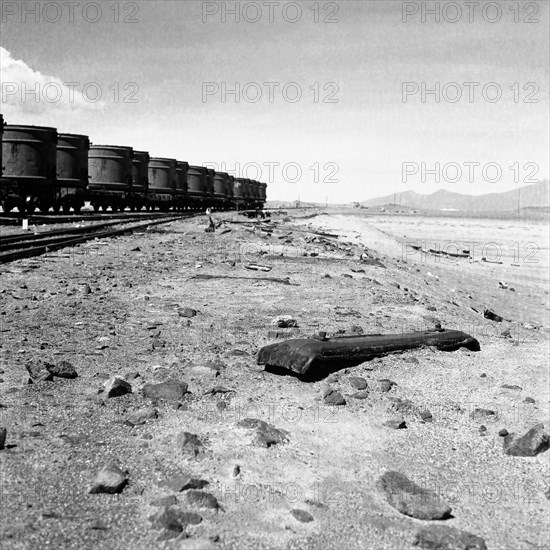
(503, 433)
(511, 387)
(141, 416)
(529, 400)
(333, 397)
(301, 515)
(357, 382)
(173, 519)
(488, 314)
(187, 312)
(482, 429)
(39, 370)
(3, 434)
(356, 329)
(63, 369)
(201, 499)
(285, 321)
(395, 423)
(189, 443)
(117, 386)
(169, 500)
(183, 483)
(431, 308)
(411, 499)
(383, 385)
(441, 537)
(535, 441)
(266, 434)
(110, 479)
(172, 390)
(547, 493)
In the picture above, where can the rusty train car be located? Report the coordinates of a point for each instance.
(43, 169)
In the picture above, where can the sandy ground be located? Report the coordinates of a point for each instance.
(61, 432)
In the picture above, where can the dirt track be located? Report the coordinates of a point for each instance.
(115, 308)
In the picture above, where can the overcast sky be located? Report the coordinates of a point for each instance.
(360, 140)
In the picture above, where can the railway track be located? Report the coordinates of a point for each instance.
(15, 219)
(16, 247)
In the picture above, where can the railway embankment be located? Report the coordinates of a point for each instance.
(136, 415)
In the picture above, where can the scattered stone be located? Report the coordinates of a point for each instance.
(63, 369)
(411, 499)
(110, 479)
(172, 390)
(511, 387)
(333, 397)
(201, 499)
(482, 430)
(431, 308)
(131, 375)
(183, 483)
(483, 375)
(203, 371)
(405, 406)
(357, 382)
(236, 470)
(166, 501)
(426, 415)
(266, 434)
(189, 443)
(359, 395)
(547, 493)
(301, 515)
(187, 312)
(173, 519)
(39, 371)
(384, 385)
(218, 389)
(503, 433)
(532, 443)
(238, 353)
(285, 321)
(98, 525)
(396, 423)
(117, 386)
(141, 416)
(3, 434)
(485, 414)
(442, 537)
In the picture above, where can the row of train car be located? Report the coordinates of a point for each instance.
(42, 169)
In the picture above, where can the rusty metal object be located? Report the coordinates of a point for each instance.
(306, 356)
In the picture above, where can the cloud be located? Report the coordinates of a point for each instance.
(26, 93)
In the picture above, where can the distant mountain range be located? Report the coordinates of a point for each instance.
(536, 195)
